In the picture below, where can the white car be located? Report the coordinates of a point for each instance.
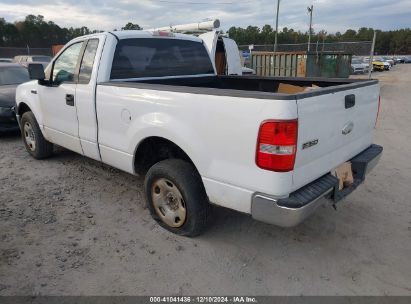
(358, 66)
(150, 103)
(248, 71)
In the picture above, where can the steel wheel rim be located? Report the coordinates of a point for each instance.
(168, 203)
(29, 136)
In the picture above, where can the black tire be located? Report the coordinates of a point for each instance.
(187, 180)
(41, 148)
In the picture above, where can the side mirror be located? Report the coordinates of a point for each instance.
(36, 71)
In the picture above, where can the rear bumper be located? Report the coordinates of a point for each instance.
(302, 203)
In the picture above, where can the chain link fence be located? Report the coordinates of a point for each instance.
(10, 52)
(358, 48)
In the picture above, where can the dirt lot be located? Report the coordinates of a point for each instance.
(70, 226)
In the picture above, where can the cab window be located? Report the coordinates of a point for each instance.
(88, 60)
(64, 67)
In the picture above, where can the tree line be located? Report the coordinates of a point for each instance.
(35, 32)
(387, 42)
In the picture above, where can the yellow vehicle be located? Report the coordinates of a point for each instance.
(378, 65)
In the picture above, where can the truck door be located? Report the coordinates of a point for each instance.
(85, 98)
(58, 101)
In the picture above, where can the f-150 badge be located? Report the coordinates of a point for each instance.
(310, 144)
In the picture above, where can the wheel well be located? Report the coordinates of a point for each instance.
(155, 149)
(23, 108)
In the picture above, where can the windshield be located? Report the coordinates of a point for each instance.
(159, 57)
(13, 75)
(356, 61)
(41, 59)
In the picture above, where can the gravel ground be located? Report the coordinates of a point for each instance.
(71, 226)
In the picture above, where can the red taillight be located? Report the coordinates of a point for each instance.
(378, 111)
(277, 145)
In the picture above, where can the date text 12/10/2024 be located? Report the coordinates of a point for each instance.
(200, 299)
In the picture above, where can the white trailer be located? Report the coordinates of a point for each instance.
(224, 51)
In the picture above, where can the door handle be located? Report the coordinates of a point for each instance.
(70, 100)
(349, 101)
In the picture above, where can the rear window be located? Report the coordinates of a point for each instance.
(159, 57)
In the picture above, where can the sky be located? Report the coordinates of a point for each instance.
(329, 15)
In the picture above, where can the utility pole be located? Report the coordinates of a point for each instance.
(276, 26)
(370, 66)
(310, 11)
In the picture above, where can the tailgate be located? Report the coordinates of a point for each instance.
(333, 128)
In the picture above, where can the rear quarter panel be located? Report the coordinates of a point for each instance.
(218, 133)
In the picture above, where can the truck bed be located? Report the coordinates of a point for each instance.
(324, 113)
(246, 86)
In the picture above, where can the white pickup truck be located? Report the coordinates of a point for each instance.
(151, 104)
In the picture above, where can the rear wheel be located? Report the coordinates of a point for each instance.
(176, 197)
(33, 139)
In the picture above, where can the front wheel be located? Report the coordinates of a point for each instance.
(176, 197)
(33, 139)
